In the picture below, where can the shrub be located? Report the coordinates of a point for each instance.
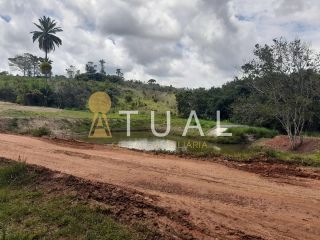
(34, 98)
(271, 153)
(13, 174)
(39, 132)
(241, 134)
(7, 94)
(257, 132)
(128, 98)
(45, 68)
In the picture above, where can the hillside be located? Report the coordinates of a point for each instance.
(74, 94)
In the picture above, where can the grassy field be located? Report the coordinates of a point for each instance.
(306, 159)
(44, 120)
(117, 122)
(31, 211)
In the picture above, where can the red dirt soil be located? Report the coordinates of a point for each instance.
(310, 144)
(203, 199)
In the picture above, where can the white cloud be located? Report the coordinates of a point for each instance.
(190, 43)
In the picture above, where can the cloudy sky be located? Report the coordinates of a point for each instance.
(186, 43)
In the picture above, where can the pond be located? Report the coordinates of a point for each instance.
(148, 142)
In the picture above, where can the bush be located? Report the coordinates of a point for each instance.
(34, 98)
(7, 94)
(128, 98)
(114, 79)
(257, 132)
(13, 174)
(271, 153)
(39, 132)
(241, 134)
(45, 68)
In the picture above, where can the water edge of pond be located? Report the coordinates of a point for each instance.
(148, 142)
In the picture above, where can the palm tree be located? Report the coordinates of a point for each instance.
(46, 37)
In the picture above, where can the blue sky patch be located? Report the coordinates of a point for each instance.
(298, 27)
(244, 18)
(6, 18)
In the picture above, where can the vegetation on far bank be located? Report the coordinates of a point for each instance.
(74, 94)
(40, 121)
(254, 153)
(279, 89)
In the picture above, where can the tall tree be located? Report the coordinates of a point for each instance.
(71, 71)
(285, 84)
(34, 62)
(91, 68)
(119, 73)
(21, 63)
(102, 69)
(152, 81)
(46, 36)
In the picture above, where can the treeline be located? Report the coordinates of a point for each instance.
(207, 102)
(60, 92)
(279, 88)
(136, 84)
(57, 93)
(237, 102)
(71, 91)
(27, 64)
(93, 72)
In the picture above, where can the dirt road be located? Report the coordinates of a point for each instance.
(220, 200)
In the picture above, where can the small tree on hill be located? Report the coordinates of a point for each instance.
(91, 68)
(102, 69)
(20, 63)
(152, 81)
(71, 71)
(119, 73)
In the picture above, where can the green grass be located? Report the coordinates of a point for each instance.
(39, 132)
(255, 153)
(312, 134)
(257, 132)
(28, 212)
(117, 121)
(241, 134)
(14, 174)
(12, 113)
(305, 159)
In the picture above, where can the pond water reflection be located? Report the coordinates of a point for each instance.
(148, 142)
